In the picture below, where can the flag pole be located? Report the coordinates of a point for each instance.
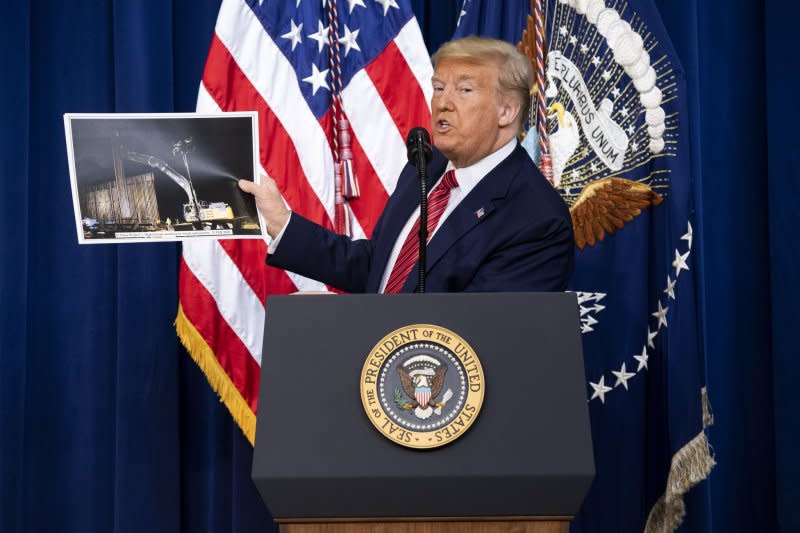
(545, 164)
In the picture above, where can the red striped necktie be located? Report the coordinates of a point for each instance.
(409, 253)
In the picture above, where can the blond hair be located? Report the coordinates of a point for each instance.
(515, 70)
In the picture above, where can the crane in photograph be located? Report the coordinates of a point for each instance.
(194, 210)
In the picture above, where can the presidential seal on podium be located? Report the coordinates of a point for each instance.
(422, 386)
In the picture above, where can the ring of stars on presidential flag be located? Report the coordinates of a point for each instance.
(600, 388)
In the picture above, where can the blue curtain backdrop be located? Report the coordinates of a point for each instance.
(107, 425)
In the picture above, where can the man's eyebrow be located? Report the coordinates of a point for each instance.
(462, 77)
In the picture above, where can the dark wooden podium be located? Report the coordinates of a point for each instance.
(524, 465)
(444, 525)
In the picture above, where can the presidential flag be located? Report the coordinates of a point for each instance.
(337, 85)
(609, 127)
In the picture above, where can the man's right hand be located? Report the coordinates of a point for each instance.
(269, 203)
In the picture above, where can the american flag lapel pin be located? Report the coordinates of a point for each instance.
(480, 212)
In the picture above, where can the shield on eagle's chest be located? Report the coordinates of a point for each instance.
(423, 396)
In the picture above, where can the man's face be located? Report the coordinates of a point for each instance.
(468, 113)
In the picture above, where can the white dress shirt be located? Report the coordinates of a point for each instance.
(467, 177)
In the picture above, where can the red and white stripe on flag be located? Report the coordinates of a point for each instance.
(254, 63)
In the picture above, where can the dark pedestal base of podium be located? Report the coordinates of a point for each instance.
(528, 524)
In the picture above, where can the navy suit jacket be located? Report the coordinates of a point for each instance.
(512, 232)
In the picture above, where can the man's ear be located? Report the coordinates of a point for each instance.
(508, 112)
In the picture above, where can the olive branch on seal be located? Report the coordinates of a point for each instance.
(399, 401)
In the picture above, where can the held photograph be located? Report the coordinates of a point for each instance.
(162, 177)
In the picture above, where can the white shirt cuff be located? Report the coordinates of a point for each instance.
(273, 246)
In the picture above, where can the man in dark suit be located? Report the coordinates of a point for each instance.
(495, 223)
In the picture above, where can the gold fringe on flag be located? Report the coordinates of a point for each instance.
(219, 380)
(690, 465)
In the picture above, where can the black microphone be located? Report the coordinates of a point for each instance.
(418, 144)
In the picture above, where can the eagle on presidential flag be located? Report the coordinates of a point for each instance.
(609, 128)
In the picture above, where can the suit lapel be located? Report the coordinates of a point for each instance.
(470, 212)
(399, 209)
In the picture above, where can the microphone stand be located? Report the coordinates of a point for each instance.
(422, 173)
(419, 153)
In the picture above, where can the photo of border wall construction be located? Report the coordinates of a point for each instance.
(162, 177)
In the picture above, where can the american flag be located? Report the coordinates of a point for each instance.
(285, 60)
